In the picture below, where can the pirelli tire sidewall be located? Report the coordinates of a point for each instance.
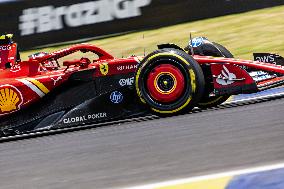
(193, 77)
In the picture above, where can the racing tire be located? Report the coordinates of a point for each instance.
(169, 81)
(224, 51)
(213, 101)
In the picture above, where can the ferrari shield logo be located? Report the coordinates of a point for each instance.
(104, 68)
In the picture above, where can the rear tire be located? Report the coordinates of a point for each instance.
(208, 101)
(169, 81)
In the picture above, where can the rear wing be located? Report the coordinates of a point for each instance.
(8, 51)
(269, 58)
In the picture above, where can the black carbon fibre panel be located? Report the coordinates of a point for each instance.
(62, 98)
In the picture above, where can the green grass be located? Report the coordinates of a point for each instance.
(242, 34)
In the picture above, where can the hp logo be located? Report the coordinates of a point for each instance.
(196, 42)
(116, 97)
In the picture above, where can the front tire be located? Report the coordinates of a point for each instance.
(169, 81)
(208, 101)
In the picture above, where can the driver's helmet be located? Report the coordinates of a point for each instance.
(49, 63)
(196, 42)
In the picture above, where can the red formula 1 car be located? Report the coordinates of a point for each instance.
(52, 90)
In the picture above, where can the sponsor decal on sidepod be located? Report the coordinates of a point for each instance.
(85, 118)
(127, 67)
(104, 68)
(116, 97)
(226, 77)
(11, 99)
(126, 82)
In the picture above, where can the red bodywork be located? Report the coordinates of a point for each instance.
(236, 66)
(8, 54)
(26, 82)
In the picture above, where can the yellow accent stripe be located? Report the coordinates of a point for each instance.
(173, 111)
(230, 99)
(193, 80)
(137, 84)
(166, 54)
(220, 183)
(7, 35)
(39, 85)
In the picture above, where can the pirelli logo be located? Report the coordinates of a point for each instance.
(35, 85)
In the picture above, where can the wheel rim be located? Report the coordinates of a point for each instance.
(165, 83)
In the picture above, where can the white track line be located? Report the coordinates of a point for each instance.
(255, 98)
(209, 177)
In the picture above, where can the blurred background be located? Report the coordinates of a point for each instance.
(126, 27)
(157, 150)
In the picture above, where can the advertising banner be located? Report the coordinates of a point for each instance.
(41, 22)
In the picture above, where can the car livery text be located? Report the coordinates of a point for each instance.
(85, 118)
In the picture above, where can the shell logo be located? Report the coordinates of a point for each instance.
(10, 99)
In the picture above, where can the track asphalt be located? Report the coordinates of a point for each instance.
(147, 152)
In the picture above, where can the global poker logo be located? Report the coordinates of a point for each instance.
(116, 97)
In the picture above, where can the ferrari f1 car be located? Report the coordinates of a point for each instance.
(41, 93)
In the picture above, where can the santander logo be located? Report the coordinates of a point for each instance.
(226, 77)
